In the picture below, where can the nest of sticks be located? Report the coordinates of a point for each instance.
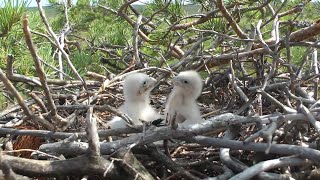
(233, 142)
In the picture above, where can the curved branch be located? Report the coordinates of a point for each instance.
(270, 164)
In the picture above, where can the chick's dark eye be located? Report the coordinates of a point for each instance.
(185, 81)
(144, 82)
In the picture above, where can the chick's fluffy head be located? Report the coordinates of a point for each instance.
(189, 83)
(137, 86)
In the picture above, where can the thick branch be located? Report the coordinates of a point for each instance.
(283, 149)
(76, 166)
(93, 138)
(158, 134)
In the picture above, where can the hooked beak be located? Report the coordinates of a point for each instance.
(175, 81)
(150, 85)
(153, 80)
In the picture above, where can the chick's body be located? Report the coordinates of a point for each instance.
(136, 90)
(182, 102)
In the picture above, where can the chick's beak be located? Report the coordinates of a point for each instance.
(150, 85)
(152, 80)
(175, 81)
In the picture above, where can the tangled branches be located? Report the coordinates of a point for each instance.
(261, 109)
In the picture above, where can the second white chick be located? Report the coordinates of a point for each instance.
(136, 91)
(182, 104)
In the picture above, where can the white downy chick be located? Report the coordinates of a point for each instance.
(182, 104)
(136, 91)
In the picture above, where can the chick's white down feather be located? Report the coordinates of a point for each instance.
(136, 91)
(182, 104)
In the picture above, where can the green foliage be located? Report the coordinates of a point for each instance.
(83, 62)
(105, 41)
(11, 35)
(11, 14)
(297, 54)
(95, 28)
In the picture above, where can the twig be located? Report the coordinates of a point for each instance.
(93, 138)
(270, 164)
(267, 132)
(311, 118)
(135, 41)
(39, 102)
(235, 85)
(56, 40)
(274, 100)
(41, 74)
(273, 54)
(18, 77)
(304, 152)
(316, 72)
(230, 19)
(236, 165)
(169, 163)
(131, 164)
(23, 105)
(304, 100)
(16, 107)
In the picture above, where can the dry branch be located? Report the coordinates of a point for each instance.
(76, 166)
(131, 164)
(60, 47)
(93, 138)
(42, 76)
(18, 77)
(23, 105)
(270, 164)
(217, 122)
(230, 19)
(274, 105)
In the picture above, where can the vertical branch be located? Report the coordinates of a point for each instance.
(10, 60)
(275, 30)
(316, 71)
(290, 69)
(60, 58)
(41, 74)
(136, 41)
(232, 80)
(39, 70)
(62, 38)
(275, 57)
(60, 47)
(93, 137)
